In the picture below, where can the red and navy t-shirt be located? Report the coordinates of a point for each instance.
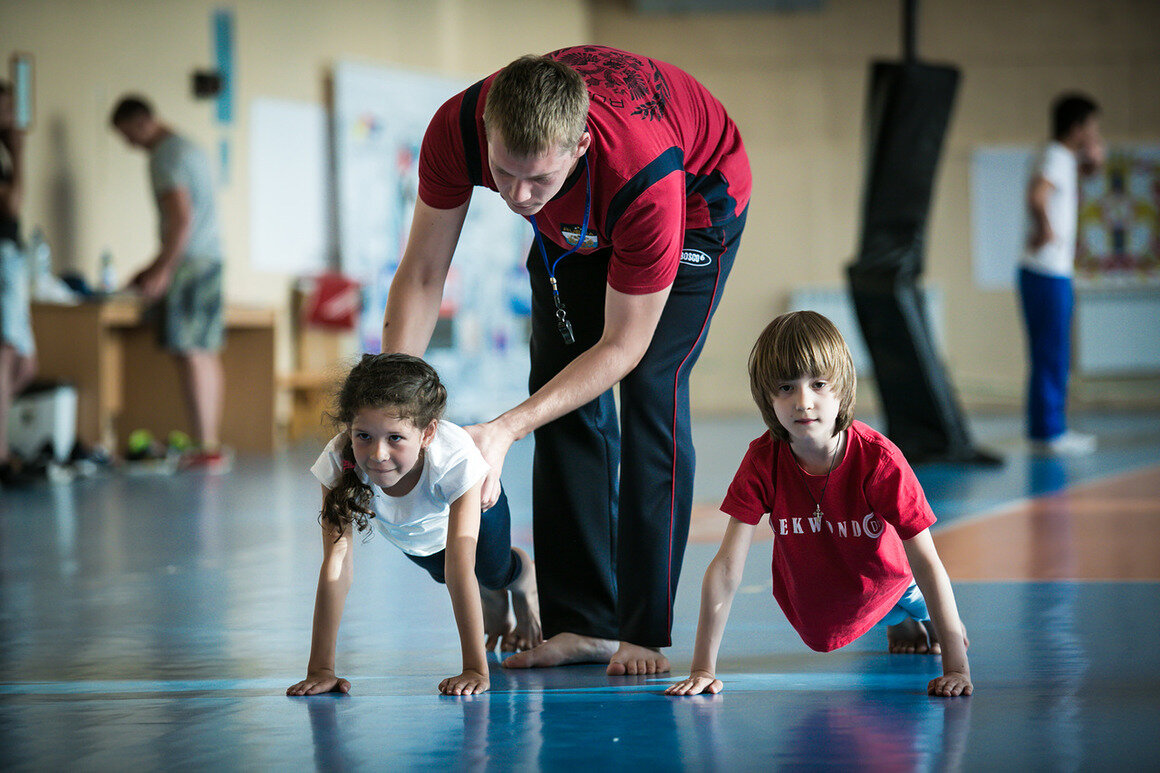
(665, 157)
(835, 576)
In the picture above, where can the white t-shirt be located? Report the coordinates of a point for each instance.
(417, 521)
(1058, 166)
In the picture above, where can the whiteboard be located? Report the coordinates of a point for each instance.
(480, 350)
(1116, 332)
(288, 187)
(998, 185)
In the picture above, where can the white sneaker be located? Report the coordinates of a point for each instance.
(1067, 444)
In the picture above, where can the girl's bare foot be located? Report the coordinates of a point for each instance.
(527, 632)
(912, 637)
(634, 659)
(498, 620)
(563, 649)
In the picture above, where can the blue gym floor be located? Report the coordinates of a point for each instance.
(153, 623)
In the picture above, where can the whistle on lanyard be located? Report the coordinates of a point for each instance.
(562, 322)
(565, 327)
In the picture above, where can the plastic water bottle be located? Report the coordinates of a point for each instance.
(46, 287)
(108, 280)
(40, 266)
(41, 254)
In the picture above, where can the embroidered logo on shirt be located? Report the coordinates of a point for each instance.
(621, 80)
(870, 527)
(695, 258)
(571, 234)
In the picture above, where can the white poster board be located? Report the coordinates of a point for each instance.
(480, 350)
(288, 187)
(998, 212)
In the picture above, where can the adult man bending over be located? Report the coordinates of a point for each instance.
(636, 165)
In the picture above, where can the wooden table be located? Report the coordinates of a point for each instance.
(126, 381)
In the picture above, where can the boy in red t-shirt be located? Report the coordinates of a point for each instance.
(852, 545)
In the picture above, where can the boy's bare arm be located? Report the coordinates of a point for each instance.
(459, 569)
(334, 581)
(717, 592)
(935, 585)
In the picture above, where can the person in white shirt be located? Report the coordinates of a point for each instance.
(416, 479)
(1045, 272)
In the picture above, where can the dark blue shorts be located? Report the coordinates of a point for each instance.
(496, 564)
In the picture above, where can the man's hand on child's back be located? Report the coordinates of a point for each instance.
(319, 682)
(950, 685)
(697, 683)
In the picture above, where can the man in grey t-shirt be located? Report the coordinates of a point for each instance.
(185, 277)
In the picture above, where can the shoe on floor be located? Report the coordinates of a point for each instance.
(1067, 444)
(216, 462)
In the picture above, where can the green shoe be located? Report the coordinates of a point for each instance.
(140, 445)
(179, 441)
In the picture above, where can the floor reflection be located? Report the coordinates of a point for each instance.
(154, 623)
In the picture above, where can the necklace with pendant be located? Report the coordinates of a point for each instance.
(818, 502)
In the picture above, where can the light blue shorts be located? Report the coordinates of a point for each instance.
(15, 299)
(911, 605)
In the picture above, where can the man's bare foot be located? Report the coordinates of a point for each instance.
(498, 620)
(911, 637)
(563, 649)
(633, 659)
(527, 632)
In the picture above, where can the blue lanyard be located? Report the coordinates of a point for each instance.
(562, 323)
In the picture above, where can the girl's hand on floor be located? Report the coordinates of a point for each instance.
(319, 682)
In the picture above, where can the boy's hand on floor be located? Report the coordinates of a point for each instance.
(950, 685)
(468, 683)
(697, 683)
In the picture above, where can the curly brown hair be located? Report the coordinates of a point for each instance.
(405, 384)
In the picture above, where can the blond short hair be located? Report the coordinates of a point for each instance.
(796, 345)
(536, 105)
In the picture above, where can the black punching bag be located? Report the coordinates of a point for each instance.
(908, 109)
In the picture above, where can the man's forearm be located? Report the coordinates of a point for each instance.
(410, 316)
(583, 380)
(629, 324)
(173, 244)
(417, 289)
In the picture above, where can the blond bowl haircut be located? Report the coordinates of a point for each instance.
(796, 345)
(536, 105)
